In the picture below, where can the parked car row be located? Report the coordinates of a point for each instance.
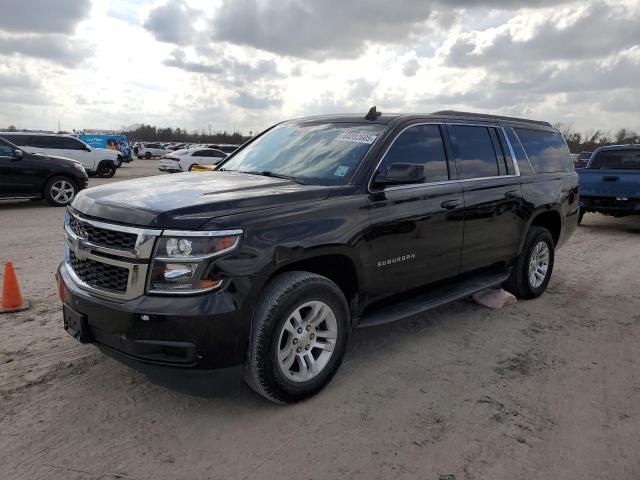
(149, 150)
(184, 160)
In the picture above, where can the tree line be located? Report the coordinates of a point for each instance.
(151, 133)
(591, 139)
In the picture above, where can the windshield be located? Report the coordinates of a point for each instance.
(327, 154)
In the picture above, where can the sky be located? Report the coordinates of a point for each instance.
(246, 64)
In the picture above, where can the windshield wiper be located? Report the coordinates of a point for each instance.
(267, 173)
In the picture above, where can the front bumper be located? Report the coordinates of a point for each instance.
(192, 333)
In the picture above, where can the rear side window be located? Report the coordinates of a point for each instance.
(617, 160)
(474, 151)
(422, 145)
(547, 151)
(6, 150)
(72, 144)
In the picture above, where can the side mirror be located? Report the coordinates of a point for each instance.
(401, 174)
(17, 153)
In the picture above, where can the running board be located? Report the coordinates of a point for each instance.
(433, 298)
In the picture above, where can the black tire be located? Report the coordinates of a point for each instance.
(52, 189)
(106, 169)
(580, 215)
(519, 282)
(147, 155)
(282, 296)
(119, 162)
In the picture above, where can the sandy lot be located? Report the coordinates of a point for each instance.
(542, 389)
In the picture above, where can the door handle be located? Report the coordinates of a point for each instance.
(451, 204)
(512, 194)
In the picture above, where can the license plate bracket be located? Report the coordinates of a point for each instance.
(76, 324)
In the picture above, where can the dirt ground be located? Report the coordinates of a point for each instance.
(543, 389)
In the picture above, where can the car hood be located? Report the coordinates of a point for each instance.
(188, 200)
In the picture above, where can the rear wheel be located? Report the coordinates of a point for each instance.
(60, 191)
(532, 270)
(147, 155)
(299, 336)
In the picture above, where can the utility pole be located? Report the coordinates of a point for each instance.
(58, 126)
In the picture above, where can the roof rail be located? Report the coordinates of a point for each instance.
(493, 117)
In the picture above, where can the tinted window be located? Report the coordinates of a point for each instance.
(547, 151)
(45, 141)
(473, 148)
(72, 144)
(421, 144)
(518, 151)
(15, 138)
(6, 150)
(617, 160)
(203, 153)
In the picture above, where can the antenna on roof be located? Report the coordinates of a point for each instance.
(373, 114)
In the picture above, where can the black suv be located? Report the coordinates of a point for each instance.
(315, 227)
(35, 176)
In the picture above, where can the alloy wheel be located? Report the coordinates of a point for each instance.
(538, 264)
(307, 341)
(62, 191)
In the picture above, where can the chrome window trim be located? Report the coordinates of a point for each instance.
(514, 161)
(526, 155)
(442, 182)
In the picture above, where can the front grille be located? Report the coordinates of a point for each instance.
(100, 275)
(103, 236)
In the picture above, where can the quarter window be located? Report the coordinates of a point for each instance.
(420, 144)
(547, 151)
(474, 151)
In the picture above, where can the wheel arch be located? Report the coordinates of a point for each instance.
(338, 267)
(549, 219)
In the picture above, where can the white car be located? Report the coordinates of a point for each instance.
(96, 161)
(149, 150)
(184, 160)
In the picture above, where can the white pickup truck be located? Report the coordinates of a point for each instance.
(96, 161)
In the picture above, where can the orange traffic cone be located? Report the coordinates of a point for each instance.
(12, 300)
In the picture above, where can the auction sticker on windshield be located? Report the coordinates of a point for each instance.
(357, 137)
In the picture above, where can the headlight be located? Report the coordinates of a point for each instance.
(183, 261)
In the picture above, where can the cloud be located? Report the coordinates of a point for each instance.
(55, 48)
(411, 67)
(255, 102)
(228, 68)
(50, 16)
(21, 88)
(337, 28)
(173, 23)
(601, 29)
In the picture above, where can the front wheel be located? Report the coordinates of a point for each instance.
(106, 169)
(60, 191)
(147, 155)
(299, 336)
(532, 270)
